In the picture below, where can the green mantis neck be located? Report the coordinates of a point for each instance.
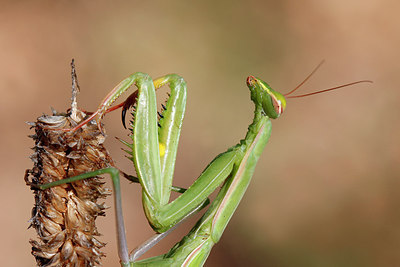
(259, 119)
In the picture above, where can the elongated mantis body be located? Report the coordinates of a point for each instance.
(153, 151)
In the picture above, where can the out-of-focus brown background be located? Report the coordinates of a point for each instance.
(326, 189)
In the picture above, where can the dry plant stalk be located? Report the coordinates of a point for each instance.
(64, 216)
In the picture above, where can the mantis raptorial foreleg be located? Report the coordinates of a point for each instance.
(154, 150)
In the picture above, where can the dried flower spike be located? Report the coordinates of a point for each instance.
(64, 216)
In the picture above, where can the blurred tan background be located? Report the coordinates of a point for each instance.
(325, 191)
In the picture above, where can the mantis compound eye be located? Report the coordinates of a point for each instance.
(277, 105)
(274, 104)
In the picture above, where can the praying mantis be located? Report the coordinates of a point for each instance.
(153, 150)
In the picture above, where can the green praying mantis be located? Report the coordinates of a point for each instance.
(153, 151)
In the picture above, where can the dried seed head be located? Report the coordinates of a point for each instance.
(64, 216)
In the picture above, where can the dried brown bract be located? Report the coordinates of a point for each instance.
(64, 216)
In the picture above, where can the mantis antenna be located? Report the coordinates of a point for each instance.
(288, 95)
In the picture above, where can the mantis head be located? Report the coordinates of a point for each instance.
(273, 103)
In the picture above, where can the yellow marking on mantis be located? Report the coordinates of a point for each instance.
(159, 82)
(162, 149)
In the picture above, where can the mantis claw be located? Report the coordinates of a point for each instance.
(129, 102)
